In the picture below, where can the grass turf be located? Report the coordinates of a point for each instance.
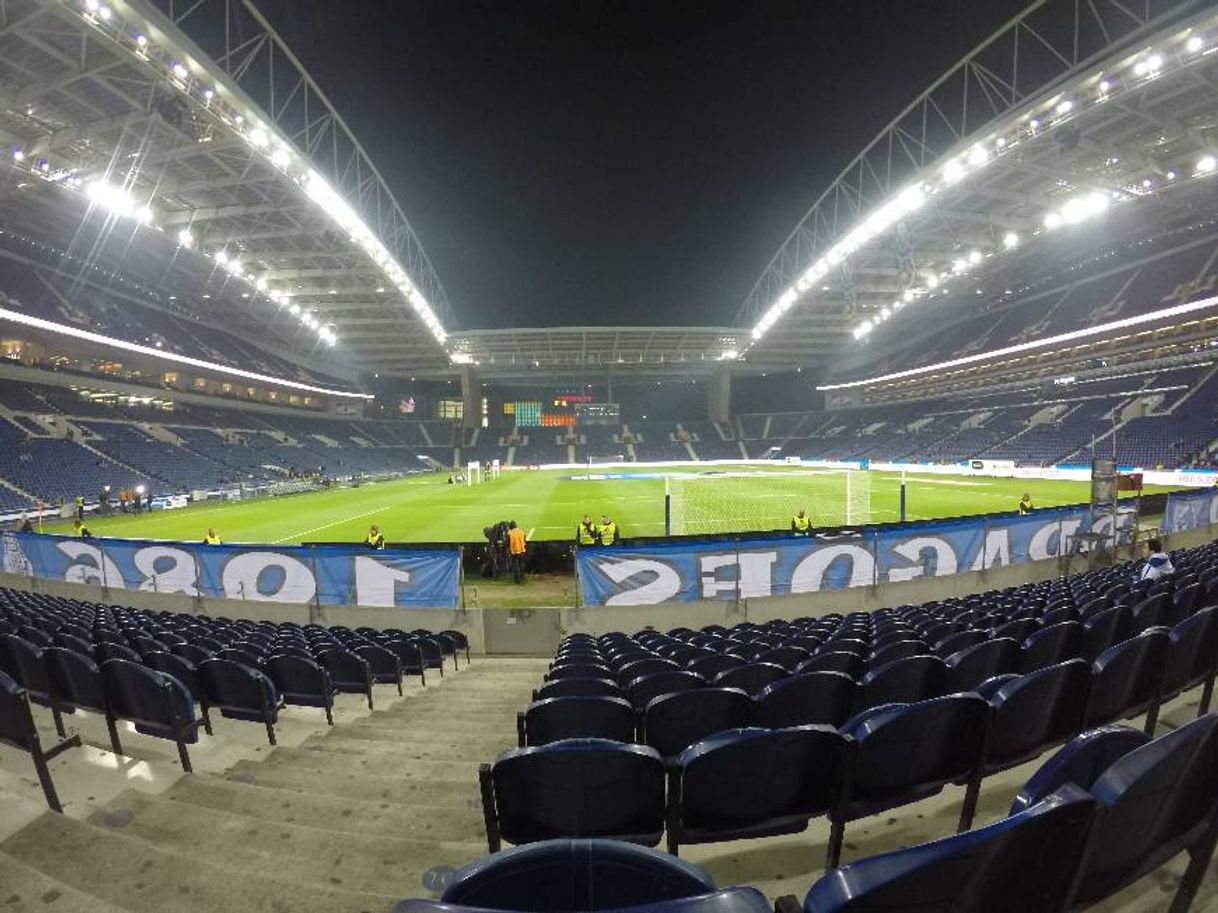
(547, 505)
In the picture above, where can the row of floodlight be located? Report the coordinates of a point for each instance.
(1147, 65)
(278, 152)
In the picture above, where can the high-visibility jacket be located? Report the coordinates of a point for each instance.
(212, 540)
(1025, 506)
(377, 541)
(607, 532)
(586, 534)
(516, 541)
(801, 524)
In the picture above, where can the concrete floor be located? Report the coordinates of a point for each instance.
(354, 818)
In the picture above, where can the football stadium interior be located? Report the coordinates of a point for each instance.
(898, 590)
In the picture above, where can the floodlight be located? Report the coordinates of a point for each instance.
(180, 71)
(1052, 220)
(295, 309)
(1194, 44)
(1064, 107)
(259, 137)
(974, 257)
(1105, 85)
(1171, 175)
(104, 12)
(953, 171)
(959, 265)
(141, 41)
(1034, 123)
(1206, 164)
(932, 281)
(139, 489)
(978, 156)
(18, 155)
(1010, 240)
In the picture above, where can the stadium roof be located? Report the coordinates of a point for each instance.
(192, 126)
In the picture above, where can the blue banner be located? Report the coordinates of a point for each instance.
(331, 575)
(753, 567)
(1190, 509)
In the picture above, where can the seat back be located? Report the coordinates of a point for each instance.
(914, 678)
(74, 680)
(572, 669)
(295, 676)
(180, 668)
(673, 722)
(16, 721)
(1194, 650)
(1102, 630)
(1149, 613)
(748, 782)
(831, 660)
(556, 876)
(1128, 678)
(557, 718)
(751, 678)
(800, 700)
(1025, 862)
(1036, 711)
(579, 687)
(641, 691)
(969, 667)
(787, 656)
(1051, 645)
(240, 691)
(579, 788)
(157, 703)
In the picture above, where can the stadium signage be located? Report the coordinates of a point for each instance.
(1190, 509)
(329, 575)
(755, 567)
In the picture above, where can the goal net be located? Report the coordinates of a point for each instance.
(606, 459)
(758, 501)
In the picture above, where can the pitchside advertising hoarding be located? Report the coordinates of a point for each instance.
(332, 575)
(754, 567)
(1190, 509)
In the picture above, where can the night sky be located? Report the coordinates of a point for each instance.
(572, 162)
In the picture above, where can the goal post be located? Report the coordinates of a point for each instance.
(762, 501)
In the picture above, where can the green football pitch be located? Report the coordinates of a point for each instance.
(547, 504)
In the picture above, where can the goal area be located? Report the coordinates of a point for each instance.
(760, 501)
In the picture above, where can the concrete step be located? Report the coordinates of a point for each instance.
(420, 745)
(342, 815)
(143, 878)
(26, 889)
(293, 852)
(457, 793)
(388, 752)
(400, 764)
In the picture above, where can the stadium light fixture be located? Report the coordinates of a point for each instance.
(1178, 310)
(1010, 240)
(1207, 164)
(38, 323)
(185, 238)
(180, 71)
(974, 257)
(1194, 44)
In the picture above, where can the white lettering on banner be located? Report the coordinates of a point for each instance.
(995, 550)
(912, 549)
(243, 572)
(810, 572)
(664, 585)
(376, 583)
(166, 570)
(1046, 543)
(78, 572)
(753, 574)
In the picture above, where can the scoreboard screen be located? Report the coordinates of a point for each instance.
(528, 414)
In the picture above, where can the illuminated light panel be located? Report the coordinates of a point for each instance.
(1178, 310)
(48, 326)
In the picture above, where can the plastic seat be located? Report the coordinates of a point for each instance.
(973, 665)
(1193, 657)
(557, 718)
(158, 704)
(830, 660)
(574, 788)
(801, 700)
(900, 649)
(348, 672)
(673, 722)
(1149, 613)
(1159, 798)
(642, 691)
(903, 681)
(22, 660)
(1026, 862)
(787, 656)
(753, 783)
(640, 667)
(1128, 679)
(578, 670)
(383, 665)
(302, 682)
(1102, 630)
(909, 752)
(710, 666)
(578, 687)
(241, 693)
(410, 658)
(751, 678)
(17, 729)
(1051, 645)
(1032, 713)
(185, 672)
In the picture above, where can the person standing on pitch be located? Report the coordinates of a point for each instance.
(607, 531)
(516, 550)
(375, 539)
(585, 533)
(801, 523)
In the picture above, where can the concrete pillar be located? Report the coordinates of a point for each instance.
(719, 396)
(471, 398)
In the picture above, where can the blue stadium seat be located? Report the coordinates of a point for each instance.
(902, 681)
(578, 687)
(241, 693)
(185, 672)
(754, 782)
(751, 678)
(1051, 645)
(908, 752)
(17, 729)
(158, 704)
(1193, 658)
(383, 664)
(557, 718)
(641, 691)
(349, 673)
(574, 788)
(1026, 862)
(673, 722)
(969, 667)
(1159, 798)
(1127, 679)
(800, 700)
(302, 682)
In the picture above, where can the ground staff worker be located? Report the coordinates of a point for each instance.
(375, 539)
(607, 531)
(585, 533)
(801, 524)
(516, 549)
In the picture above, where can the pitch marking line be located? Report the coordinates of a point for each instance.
(305, 532)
